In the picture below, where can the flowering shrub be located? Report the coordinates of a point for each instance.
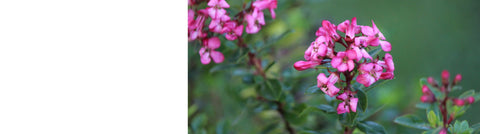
(222, 24)
(352, 62)
(442, 108)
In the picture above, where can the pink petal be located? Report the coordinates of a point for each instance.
(353, 104)
(308, 53)
(343, 26)
(230, 36)
(365, 54)
(191, 15)
(217, 56)
(223, 4)
(351, 54)
(332, 90)
(322, 50)
(260, 18)
(389, 62)
(366, 67)
(336, 61)
(365, 79)
(386, 46)
(213, 43)
(387, 75)
(343, 67)
(205, 58)
(212, 3)
(321, 80)
(342, 96)
(333, 78)
(239, 30)
(350, 65)
(342, 108)
(366, 30)
(272, 12)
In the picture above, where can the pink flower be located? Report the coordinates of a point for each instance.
(445, 76)
(254, 21)
(374, 38)
(304, 65)
(329, 31)
(349, 104)
(216, 25)
(195, 27)
(427, 96)
(361, 53)
(470, 100)
(349, 28)
(216, 8)
(317, 50)
(264, 4)
(327, 85)
(458, 102)
(344, 61)
(389, 65)
(232, 31)
(207, 52)
(457, 79)
(191, 15)
(369, 73)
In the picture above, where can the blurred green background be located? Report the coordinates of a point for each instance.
(427, 36)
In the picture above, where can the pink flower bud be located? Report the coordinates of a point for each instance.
(425, 89)
(432, 82)
(458, 102)
(470, 100)
(427, 98)
(443, 131)
(458, 78)
(303, 65)
(445, 76)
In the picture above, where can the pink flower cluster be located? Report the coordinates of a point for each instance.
(222, 23)
(429, 97)
(354, 60)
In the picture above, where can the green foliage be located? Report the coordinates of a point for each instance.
(362, 100)
(432, 119)
(412, 121)
(370, 127)
(460, 128)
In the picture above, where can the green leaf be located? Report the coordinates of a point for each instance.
(326, 108)
(378, 83)
(432, 119)
(422, 105)
(455, 88)
(222, 67)
(467, 93)
(433, 131)
(369, 113)
(269, 66)
(192, 109)
(313, 90)
(222, 127)
(461, 127)
(412, 121)
(476, 128)
(370, 127)
(348, 119)
(363, 101)
(274, 87)
(374, 52)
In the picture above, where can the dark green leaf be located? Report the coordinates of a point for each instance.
(369, 113)
(461, 127)
(269, 66)
(468, 93)
(222, 67)
(422, 105)
(375, 51)
(362, 100)
(326, 108)
(192, 109)
(433, 131)
(412, 121)
(370, 127)
(378, 83)
(454, 88)
(313, 90)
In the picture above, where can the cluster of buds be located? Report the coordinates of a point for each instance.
(355, 60)
(445, 87)
(222, 24)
